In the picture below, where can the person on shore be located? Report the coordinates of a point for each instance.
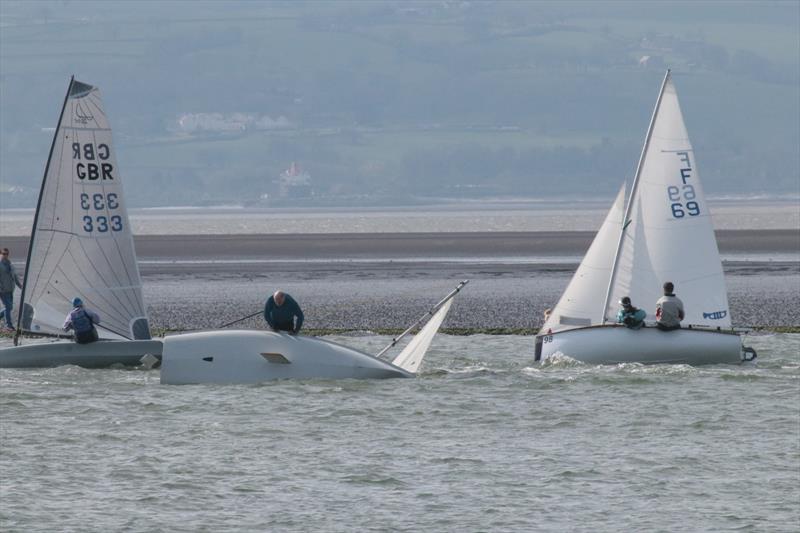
(8, 279)
(280, 312)
(669, 309)
(631, 316)
(82, 321)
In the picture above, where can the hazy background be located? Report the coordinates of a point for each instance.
(402, 101)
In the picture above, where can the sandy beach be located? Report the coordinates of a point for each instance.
(417, 246)
(387, 280)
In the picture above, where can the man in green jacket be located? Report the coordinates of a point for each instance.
(280, 312)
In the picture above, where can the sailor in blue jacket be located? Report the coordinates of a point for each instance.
(82, 321)
(629, 315)
(280, 312)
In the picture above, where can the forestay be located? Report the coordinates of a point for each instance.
(582, 301)
(82, 243)
(411, 356)
(669, 235)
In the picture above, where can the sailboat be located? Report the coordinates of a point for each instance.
(663, 233)
(251, 356)
(81, 245)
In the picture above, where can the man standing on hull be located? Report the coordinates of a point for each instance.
(8, 279)
(280, 312)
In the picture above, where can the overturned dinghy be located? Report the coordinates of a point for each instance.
(81, 245)
(248, 356)
(663, 234)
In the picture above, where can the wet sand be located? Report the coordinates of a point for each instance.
(416, 246)
(375, 281)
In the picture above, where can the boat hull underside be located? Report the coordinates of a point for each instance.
(618, 344)
(101, 354)
(232, 357)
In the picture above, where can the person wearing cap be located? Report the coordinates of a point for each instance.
(669, 309)
(8, 278)
(631, 316)
(280, 312)
(82, 320)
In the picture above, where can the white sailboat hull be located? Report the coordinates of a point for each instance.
(614, 344)
(247, 356)
(100, 354)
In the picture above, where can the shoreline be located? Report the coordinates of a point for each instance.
(413, 246)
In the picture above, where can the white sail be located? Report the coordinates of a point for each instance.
(669, 234)
(411, 356)
(81, 243)
(582, 301)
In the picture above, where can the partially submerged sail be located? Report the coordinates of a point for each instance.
(668, 233)
(81, 244)
(411, 356)
(581, 303)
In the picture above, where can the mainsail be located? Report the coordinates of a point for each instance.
(668, 233)
(581, 303)
(81, 243)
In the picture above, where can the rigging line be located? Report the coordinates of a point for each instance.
(118, 283)
(41, 265)
(89, 284)
(84, 128)
(38, 209)
(101, 318)
(61, 231)
(49, 283)
(111, 310)
(108, 316)
(93, 100)
(138, 301)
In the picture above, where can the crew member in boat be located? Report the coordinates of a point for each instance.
(631, 316)
(283, 313)
(82, 320)
(669, 309)
(8, 278)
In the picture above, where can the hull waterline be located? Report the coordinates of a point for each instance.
(244, 356)
(100, 354)
(617, 344)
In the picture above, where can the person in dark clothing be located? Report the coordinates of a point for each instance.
(280, 312)
(8, 279)
(82, 321)
(632, 317)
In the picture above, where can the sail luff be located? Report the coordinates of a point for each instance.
(36, 214)
(632, 196)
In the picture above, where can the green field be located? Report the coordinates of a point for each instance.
(505, 95)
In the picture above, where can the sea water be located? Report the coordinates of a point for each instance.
(483, 440)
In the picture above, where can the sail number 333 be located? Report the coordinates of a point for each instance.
(101, 202)
(683, 199)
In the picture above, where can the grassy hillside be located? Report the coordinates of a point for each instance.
(405, 98)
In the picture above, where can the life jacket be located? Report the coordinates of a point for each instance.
(81, 322)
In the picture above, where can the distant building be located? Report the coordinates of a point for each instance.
(295, 183)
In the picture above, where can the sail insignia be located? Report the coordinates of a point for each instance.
(82, 244)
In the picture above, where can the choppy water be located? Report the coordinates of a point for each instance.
(482, 441)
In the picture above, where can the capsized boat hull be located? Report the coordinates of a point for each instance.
(100, 354)
(248, 356)
(614, 344)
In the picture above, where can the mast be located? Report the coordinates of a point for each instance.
(36, 215)
(634, 187)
